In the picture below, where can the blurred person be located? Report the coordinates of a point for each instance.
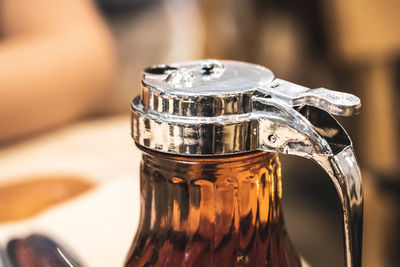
(57, 64)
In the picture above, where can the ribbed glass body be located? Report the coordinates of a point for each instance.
(211, 211)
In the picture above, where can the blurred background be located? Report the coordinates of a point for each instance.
(69, 69)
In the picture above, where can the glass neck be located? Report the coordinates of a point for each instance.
(192, 193)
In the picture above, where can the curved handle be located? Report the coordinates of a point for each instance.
(345, 173)
(313, 133)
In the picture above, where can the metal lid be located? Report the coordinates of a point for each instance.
(208, 107)
(205, 88)
(206, 78)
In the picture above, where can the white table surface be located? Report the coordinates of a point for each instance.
(97, 226)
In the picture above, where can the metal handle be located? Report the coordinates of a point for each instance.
(311, 132)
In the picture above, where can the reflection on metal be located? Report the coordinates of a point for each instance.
(212, 107)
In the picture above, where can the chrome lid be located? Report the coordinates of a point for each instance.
(205, 88)
(211, 107)
(206, 78)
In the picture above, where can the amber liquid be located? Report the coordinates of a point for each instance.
(211, 211)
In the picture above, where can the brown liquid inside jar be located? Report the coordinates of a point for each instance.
(211, 211)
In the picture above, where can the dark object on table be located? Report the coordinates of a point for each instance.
(37, 251)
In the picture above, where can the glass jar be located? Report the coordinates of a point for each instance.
(210, 132)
